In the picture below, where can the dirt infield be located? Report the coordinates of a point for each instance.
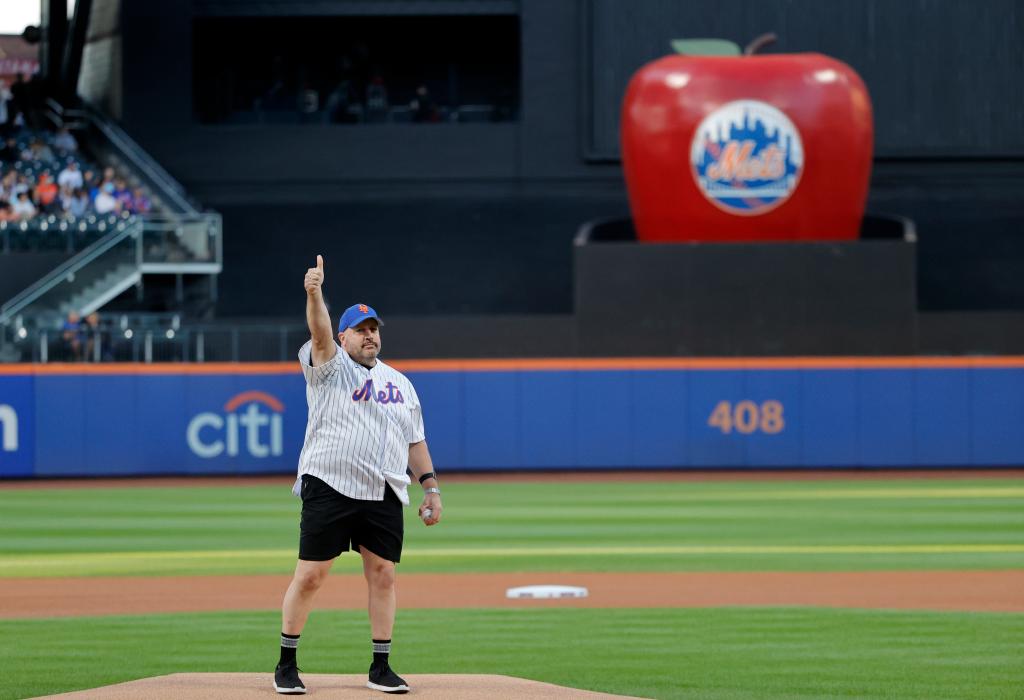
(920, 590)
(238, 686)
(544, 476)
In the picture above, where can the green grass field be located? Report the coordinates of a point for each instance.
(675, 653)
(671, 526)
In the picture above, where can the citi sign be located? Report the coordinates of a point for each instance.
(258, 430)
(8, 429)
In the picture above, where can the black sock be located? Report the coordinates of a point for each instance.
(381, 649)
(289, 645)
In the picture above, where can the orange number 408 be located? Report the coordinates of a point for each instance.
(747, 417)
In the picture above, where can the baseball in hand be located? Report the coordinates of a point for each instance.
(427, 512)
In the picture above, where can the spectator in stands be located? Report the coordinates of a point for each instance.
(71, 337)
(5, 97)
(307, 102)
(139, 203)
(70, 176)
(90, 184)
(18, 102)
(122, 194)
(106, 177)
(65, 141)
(77, 205)
(38, 150)
(22, 184)
(336, 108)
(22, 206)
(7, 183)
(46, 192)
(6, 213)
(423, 107)
(376, 99)
(64, 198)
(9, 153)
(97, 344)
(105, 201)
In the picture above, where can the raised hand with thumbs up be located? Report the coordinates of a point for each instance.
(317, 317)
(315, 276)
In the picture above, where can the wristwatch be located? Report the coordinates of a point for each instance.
(433, 489)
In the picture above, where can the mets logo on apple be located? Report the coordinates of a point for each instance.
(747, 157)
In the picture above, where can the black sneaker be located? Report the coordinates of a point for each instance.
(383, 678)
(286, 680)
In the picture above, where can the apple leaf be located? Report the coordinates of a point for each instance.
(705, 47)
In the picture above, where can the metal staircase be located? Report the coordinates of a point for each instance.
(104, 289)
(84, 282)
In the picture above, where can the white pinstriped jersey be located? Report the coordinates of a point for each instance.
(361, 423)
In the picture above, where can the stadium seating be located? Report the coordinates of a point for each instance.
(49, 230)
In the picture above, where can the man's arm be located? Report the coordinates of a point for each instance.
(317, 318)
(420, 464)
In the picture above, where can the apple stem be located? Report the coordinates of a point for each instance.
(759, 43)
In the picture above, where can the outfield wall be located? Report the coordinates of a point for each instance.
(103, 420)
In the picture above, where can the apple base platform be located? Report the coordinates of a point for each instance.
(746, 299)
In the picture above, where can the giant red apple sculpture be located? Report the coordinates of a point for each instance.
(747, 148)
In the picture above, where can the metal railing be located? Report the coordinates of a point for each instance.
(183, 244)
(57, 233)
(125, 341)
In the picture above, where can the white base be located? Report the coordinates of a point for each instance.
(547, 592)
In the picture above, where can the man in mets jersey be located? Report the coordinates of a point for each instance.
(365, 428)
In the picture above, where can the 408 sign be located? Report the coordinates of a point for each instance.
(747, 417)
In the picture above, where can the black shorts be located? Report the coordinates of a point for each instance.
(333, 523)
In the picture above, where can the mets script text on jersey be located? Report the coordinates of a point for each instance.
(366, 392)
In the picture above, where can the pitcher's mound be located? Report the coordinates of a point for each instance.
(229, 686)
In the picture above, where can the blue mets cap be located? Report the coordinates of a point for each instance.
(356, 314)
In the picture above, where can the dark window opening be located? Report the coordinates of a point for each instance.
(356, 70)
